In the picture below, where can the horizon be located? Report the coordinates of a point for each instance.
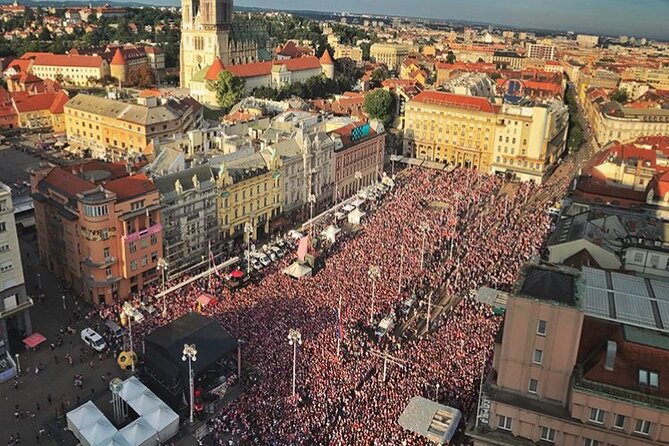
(645, 18)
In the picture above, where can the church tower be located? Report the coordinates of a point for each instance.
(205, 35)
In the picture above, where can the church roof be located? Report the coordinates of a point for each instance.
(326, 59)
(214, 70)
(118, 58)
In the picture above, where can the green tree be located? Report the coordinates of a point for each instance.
(450, 57)
(229, 90)
(619, 95)
(380, 104)
(378, 76)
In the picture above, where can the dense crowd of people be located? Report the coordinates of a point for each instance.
(443, 232)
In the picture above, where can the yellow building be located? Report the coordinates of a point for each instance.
(68, 68)
(40, 111)
(249, 191)
(116, 130)
(389, 54)
(449, 128)
(656, 78)
(352, 52)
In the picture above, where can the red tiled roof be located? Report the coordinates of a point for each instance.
(454, 100)
(28, 103)
(66, 182)
(214, 70)
(65, 60)
(130, 187)
(118, 58)
(253, 69)
(545, 86)
(20, 65)
(58, 104)
(301, 64)
(326, 59)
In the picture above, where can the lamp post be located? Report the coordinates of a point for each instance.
(425, 228)
(190, 355)
(162, 267)
(374, 273)
(294, 338)
(39, 281)
(312, 202)
(18, 364)
(129, 312)
(248, 230)
(358, 177)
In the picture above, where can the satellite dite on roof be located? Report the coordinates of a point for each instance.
(431, 420)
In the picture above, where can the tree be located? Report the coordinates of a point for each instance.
(378, 76)
(229, 90)
(619, 95)
(450, 57)
(142, 77)
(380, 104)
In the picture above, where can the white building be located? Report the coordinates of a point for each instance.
(471, 84)
(587, 40)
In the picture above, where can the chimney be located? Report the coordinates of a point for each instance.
(611, 350)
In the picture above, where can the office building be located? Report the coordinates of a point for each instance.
(545, 52)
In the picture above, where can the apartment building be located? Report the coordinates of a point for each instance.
(358, 157)
(389, 54)
(69, 69)
(189, 217)
(587, 41)
(449, 128)
(116, 130)
(582, 360)
(612, 121)
(14, 302)
(351, 52)
(545, 52)
(98, 228)
(529, 140)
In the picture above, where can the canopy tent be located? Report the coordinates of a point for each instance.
(330, 233)
(358, 202)
(144, 403)
(348, 208)
(117, 440)
(132, 388)
(355, 216)
(303, 248)
(164, 347)
(82, 417)
(431, 420)
(34, 340)
(206, 299)
(237, 274)
(97, 433)
(298, 271)
(139, 433)
(340, 215)
(164, 420)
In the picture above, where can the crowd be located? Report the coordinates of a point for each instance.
(448, 232)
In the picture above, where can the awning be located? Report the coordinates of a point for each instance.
(34, 340)
(206, 299)
(237, 274)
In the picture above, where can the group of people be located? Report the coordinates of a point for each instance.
(445, 233)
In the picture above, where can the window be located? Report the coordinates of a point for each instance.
(143, 242)
(106, 253)
(6, 266)
(647, 378)
(132, 247)
(108, 271)
(95, 211)
(638, 257)
(590, 442)
(642, 427)
(538, 356)
(154, 239)
(548, 434)
(4, 247)
(145, 260)
(597, 415)
(3, 226)
(533, 386)
(154, 257)
(137, 205)
(133, 265)
(619, 422)
(504, 423)
(541, 328)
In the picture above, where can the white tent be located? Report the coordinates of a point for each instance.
(297, 271)
(355, 216)
(97, 433)
(83, 417)
(331, 232)
(132, 388)
(144, 403)
(358, 202)
(139, 433)
(164, 420)
(348, 208)
(117, 440)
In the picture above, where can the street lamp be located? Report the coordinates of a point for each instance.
(190, 355)
(248, 230)
(358, 177)
(129, 312)
(425, 228)
(39, 282)
(312, 202)
(374, 273)
(294, 338)
(162, 267)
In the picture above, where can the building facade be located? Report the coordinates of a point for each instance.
(389, 54)
(69, 69)
(587, 40)
(570, 370)
(189, 217)
(116, 130)
(449, 128)
(98, 228)
(14, 302)
(545, 52)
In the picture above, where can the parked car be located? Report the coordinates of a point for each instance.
(114, 329)
(93, 339)
(264, 260)
(408, 304)
(385, 326)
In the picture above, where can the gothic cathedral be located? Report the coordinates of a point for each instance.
(208, 31)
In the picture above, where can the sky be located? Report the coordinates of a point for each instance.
(642, 18)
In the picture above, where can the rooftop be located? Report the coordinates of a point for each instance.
(549, 284)
(442, 99)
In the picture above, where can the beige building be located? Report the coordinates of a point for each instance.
(587, 41)
(352, 52)
(69, 69)
(449, 128)
(530, 140)
(656, 78)
(116, 130)
(582, 360)
(612, 121)
(545, 52)
(389, 54)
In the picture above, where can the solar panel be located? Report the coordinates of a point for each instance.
(663, 309)
(630, 308)
(595, 277)
(629, 284)
(596, 302)
(661, 290)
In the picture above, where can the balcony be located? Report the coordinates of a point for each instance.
(632, 396)
(5, 313)
(108, 261)
(142, 233)
(92, 283)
